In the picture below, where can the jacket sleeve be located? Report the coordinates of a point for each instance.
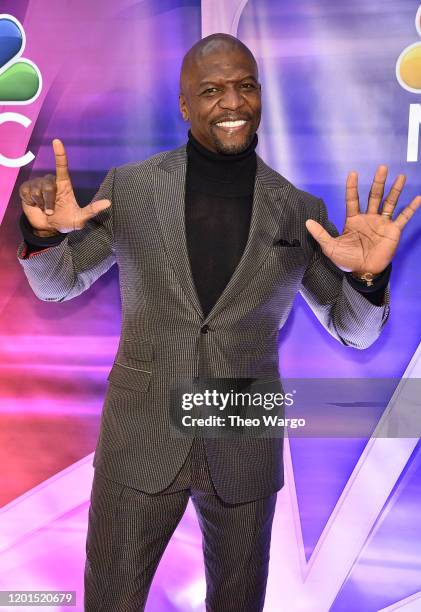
(64, 271)
(345, 312)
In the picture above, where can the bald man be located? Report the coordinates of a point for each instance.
(212, 246)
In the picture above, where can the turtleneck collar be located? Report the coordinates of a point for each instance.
(220, 174)
(222, 157)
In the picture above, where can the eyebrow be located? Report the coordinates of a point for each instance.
(249, 76)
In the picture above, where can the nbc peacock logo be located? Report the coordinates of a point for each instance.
(20, 79)
(408, 66)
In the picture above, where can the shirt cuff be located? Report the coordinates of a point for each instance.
(374, 293)
(37, 241)
(380, 282)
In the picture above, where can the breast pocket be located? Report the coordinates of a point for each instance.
(286, 258)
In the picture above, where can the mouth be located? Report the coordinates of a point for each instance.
(231, 126)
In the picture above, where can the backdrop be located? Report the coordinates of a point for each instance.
(104, 78)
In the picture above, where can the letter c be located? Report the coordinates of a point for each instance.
(16, 162)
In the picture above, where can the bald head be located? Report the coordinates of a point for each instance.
(220, 93)
(214, 43)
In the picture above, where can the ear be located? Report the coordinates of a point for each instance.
(183, 107)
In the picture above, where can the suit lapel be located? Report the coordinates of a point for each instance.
(170, 208)
(266, 221)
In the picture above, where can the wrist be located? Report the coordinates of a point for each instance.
(45, 233)
(371, 283)
(367, 278)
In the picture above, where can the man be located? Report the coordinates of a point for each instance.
(212, 246)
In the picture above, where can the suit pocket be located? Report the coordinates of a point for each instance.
(287, 248)
(129, 377)
(135, 349)
(282, 252)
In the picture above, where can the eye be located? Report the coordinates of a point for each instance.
(248, 86)
(210, 90)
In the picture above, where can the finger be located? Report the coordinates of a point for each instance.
(49, 191)
(377, 190)
(408, 212)
(28, 202)
(62, 169)
(24, 194)
(35, 193)
(351, 197)
(37, 198)
(94, 208)
(326, 241)
(393, 196)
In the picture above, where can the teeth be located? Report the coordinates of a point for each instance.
(231, 123)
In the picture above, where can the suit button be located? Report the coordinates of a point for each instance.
(204, 329)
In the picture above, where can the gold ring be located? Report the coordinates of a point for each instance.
(387, 214)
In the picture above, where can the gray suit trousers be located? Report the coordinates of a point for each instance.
(128, 531)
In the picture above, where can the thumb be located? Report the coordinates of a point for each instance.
(319, 234)
(94, 208)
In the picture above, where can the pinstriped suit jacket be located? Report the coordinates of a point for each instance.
(161, 341)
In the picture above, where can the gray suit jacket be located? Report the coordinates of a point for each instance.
(161, 340)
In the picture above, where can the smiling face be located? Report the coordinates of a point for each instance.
(220, 95)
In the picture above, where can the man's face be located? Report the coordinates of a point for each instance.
(221, 88)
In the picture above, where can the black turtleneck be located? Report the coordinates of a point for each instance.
(218, 207)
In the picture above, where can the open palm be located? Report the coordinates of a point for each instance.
(369, 240)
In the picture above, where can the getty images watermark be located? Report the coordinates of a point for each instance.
(233, 407)
(298, 407)
(217, 400)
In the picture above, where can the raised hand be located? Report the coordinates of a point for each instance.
(49, 202)
(369, 240)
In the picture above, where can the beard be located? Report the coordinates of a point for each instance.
(232, 148)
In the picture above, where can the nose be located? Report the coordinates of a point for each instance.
(231, 99)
